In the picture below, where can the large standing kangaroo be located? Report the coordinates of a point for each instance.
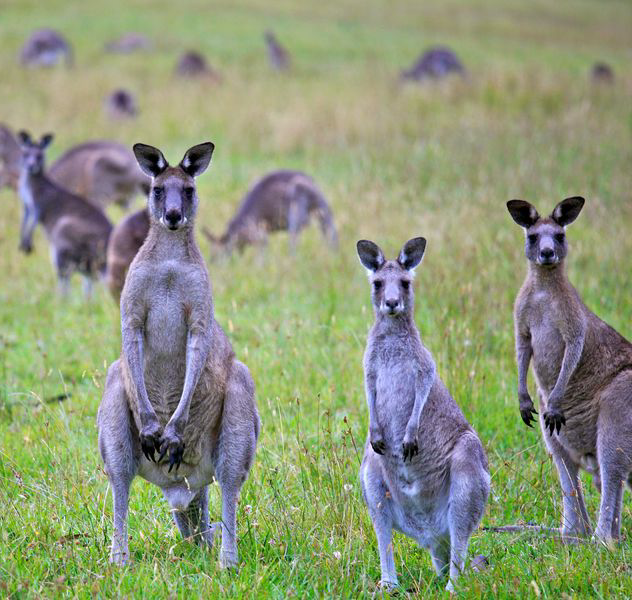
(178, 408)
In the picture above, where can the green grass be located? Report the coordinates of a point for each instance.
(395, 161)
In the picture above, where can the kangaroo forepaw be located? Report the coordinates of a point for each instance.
(409, 450)
(527, 410)
(172, 444)
(150, 440)
(553, 420)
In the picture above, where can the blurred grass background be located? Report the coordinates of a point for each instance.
(395, 161)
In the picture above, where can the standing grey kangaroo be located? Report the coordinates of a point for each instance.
(583, 371)
(424, 470)
(78, 232)
(280, 201)
(178, 408)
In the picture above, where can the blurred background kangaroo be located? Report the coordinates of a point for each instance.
(121, 104)
(77, 231)
(102, 172)
(46, 48)
(278, 56)
(280, 201)
(424, 470)
(177, 393)
(583, 370)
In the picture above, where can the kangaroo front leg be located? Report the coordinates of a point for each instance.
(423, 385)
(29, 221)
(524, 351)
(553, 417)
(198, 344)
(376, 437)
(151, 430)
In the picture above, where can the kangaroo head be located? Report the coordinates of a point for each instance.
(33, 156)
(391, 290)
(172, 198)
(545, 237)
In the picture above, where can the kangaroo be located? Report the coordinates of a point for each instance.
(424, 470)
(128, 42)
(435, 63)
(279, 201)
(46, 48)
(602, 72)
(77, 231)
(121, 104)
(125, 242)
(583, 371)
(101, 171)
(278, 56)
(193, 64)
(178, 408)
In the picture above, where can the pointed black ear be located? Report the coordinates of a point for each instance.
(46, 140)
(370, 255)
(567, 210)
(197, 159)
(24, 137)
(150, 159)
(523, 212)
(412, 253)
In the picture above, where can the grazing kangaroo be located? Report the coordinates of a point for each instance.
(435, 63)
(101, 171)
(279, 201)
(125, 242)
(46, 48)
(178, 408)
(128, 42)
(583, 371)
(193, 64)
(278, 56)
(77, 231)
(121, 104)
(424, 470)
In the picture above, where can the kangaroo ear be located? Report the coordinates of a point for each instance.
(370, 255)
(197, 159)
(412, 253)
(567, 210)
(24, 137)
(46, 140)
(523, 212)
(150, 159)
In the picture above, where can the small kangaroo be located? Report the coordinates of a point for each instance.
(279, 201)
(424, 470)
(128, 43)
(193, 64)
(121, 104)
(77, 231)
(278, 56)
(125, 242)
(435, 63)
(178, 408)
(583, 371)
(46, 48)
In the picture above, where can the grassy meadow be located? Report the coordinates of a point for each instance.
(395, 161)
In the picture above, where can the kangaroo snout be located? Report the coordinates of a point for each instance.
(173, 219)
(392, 306)
(547, 255)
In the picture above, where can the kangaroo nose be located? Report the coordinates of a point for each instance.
(391, 303)
(173, 217)
(547, 253)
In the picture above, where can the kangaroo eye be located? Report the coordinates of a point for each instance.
(158, 191)
(189, 191)
(405, 284)
(559, 237)
(533, 238)
(377, 285)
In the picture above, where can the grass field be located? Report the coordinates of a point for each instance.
(396, 162)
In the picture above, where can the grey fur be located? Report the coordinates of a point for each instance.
(178, 408)
(280, 201)
(278, 56)
(129, 42)
(583, 371)
(121, 104)
(77, 231)
(10, 154)
(125, 242)
(194, 64)
(424, 470)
